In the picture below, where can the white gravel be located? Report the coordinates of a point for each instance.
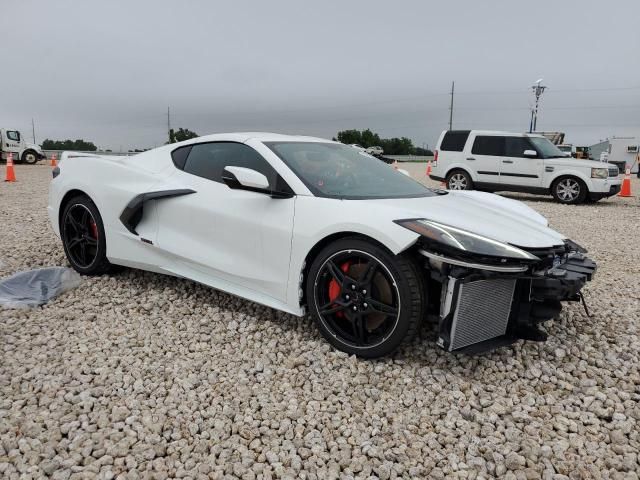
(138, 375)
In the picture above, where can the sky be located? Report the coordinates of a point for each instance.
(106, 71)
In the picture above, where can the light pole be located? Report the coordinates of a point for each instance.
(538, 90)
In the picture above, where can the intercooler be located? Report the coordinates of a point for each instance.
(481, 312)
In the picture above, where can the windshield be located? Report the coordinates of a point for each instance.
(340, 171)
(545, 148)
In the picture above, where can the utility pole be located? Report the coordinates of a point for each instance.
(453, 84)
(33, 130)
(538, 90)
(169, 123)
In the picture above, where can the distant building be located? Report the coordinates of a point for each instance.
(598, 148)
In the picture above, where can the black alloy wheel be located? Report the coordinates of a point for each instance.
(83, 237)
(365, 300)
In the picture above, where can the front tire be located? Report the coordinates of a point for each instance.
(29, 157)
(365, 300)
(459, 180)
(83, 236)
(569, 190)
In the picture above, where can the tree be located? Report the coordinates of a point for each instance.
(367, 138)
(181, 135)
(76, 145)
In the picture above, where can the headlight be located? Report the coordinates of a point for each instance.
(599, 173)
(464, 241)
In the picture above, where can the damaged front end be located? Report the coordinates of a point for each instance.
(494, 294)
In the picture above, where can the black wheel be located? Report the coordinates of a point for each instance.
(365, 300)
(459, 180)
(29, 157)
(569, 190)
(83, 237)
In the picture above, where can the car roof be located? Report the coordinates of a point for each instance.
(260, 136)
(503, 133)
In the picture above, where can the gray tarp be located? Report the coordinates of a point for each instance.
(36, 287)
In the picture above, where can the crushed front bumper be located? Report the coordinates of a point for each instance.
(483, 310)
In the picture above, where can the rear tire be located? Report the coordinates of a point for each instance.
(569, 190)
(83, 236)
(459, 180)
(364, 300)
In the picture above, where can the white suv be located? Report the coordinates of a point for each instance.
(518, 162)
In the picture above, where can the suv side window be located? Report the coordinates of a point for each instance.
(454, 140)
(515, 146)
(13, 135)
(207, 160)
(488, 145)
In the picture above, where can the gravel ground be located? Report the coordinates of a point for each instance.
(138, 375)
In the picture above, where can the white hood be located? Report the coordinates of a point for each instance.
(486, 214)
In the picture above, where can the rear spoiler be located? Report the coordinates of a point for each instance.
(71, 154)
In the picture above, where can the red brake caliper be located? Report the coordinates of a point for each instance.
(334, 288)
(94, 229)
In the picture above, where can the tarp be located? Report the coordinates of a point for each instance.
(36, 287)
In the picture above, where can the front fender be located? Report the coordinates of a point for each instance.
(569, 172)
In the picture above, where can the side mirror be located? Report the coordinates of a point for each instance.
(530, 154)
(242, 178)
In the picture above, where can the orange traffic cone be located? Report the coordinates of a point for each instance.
(428, 168)
(625, 191)
(53, 160)
(11, 174)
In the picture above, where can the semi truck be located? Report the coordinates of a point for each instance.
(12, 141)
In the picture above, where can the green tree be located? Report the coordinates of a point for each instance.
(367, 138)
(181, 135)
(76, 145)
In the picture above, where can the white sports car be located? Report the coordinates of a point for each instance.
(305, 224)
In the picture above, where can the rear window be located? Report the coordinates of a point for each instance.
(454, 140)
(488, 145)
(179, 156)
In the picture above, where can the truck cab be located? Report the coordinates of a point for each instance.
(12, 141)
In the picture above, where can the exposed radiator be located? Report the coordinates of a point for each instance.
(482, 311)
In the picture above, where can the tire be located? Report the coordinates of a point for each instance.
(380, 313)
(569, 190)
(459, 180)
(82, 230)
(29, 157)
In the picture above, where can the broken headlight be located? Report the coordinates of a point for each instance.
(459, 241)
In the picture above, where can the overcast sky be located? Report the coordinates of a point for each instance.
(106, 71)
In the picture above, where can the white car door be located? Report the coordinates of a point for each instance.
(238, 236)
(484, 158)
(515, 168)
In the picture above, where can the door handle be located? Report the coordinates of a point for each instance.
(507, 161)
(470, 158)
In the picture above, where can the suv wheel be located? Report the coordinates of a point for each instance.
(569, 190)
(459, 180)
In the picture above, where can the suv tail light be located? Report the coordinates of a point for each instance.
(435, 158)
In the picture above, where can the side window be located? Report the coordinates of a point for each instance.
(488, 145)
(207, 160)
(179, 156)
(454, 140)
(515, 146)
(13, 135)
